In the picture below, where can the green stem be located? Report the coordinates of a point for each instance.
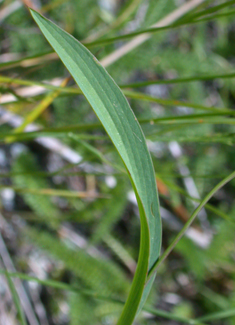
(157, 29)
(179, 80)
(188, 223)
(166, 315)
(217, 316)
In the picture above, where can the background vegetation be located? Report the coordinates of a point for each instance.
(69, 221)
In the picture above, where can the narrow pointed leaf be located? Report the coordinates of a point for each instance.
(118, 119)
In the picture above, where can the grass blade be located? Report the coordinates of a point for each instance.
(118, 119)
(184, 120)
(179, 80)
(218, 316)
(153, 30)
(213, 9)
(190, 221)
(172, 102)
(55, 192)
(38, 110)
(29, 61)
(76, 91)
(90, 293)
(15, 298)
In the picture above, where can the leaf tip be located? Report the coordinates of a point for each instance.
(34, 13)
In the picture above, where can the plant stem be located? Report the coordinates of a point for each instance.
(188, 224)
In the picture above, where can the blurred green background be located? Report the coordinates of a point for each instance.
(68, 213)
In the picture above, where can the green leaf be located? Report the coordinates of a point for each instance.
(118, 119)
(190, 221)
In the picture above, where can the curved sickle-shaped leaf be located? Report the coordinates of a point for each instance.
(118, 119)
